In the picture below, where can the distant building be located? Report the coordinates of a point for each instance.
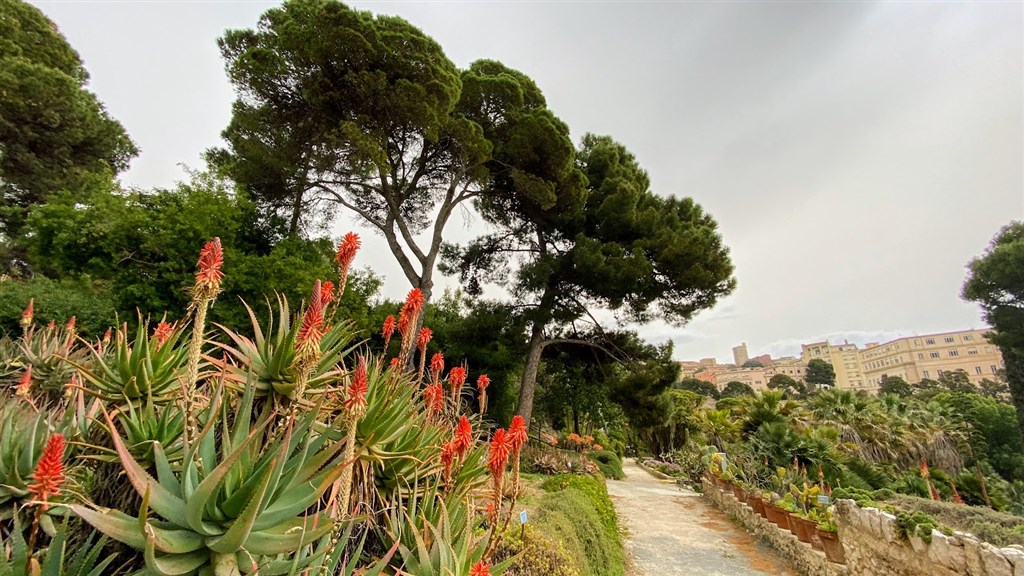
(739, 354)
(763, 359)
(917, 358)
(791, 367)
(844, 358)
(753, 377)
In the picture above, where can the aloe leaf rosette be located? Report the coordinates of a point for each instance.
(136, 370)
(242, 499)
(267, 360)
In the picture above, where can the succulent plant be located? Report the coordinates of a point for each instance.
(240, 500)
(138, 369)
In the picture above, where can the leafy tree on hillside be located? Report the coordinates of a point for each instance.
(55, 136)
(339, 109)
(957, 381)
(895, 385)
(996, 282)
(752, 364)
(736, 388)
(790, 387)
(820, 373)
(606, 242)
(704, 388)
(996, 389)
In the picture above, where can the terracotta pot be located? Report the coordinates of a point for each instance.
(739, 492)
(776, 515)
(756, 503)
(805, 530)
(832, 546)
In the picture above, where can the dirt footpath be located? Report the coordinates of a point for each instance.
(674, 532)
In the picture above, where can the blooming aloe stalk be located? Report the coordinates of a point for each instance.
(456, 379)
(204, 291)
(408, 318)
(481, 385)
(27, 315)
(421, 342)
(47, 480)
(355, 408)
(347, 249)
(517, 436)
(307, 342)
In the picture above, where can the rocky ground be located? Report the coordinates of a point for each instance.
(673, 532)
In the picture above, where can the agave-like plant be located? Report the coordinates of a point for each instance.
(52, 354)
(136, 370)
(16, 559)
(239, 502)
(23, 435)
(268, 363)
(145, 427)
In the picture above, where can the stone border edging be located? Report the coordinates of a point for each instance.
(652, 471)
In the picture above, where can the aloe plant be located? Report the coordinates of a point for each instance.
(87, 560)
(144, 427)
(23, 435)
(51, 352)
(267, 360)
(138, 369)
(240, 500)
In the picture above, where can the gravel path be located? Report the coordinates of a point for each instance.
(674, 532)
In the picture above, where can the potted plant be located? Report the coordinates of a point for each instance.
(756, 503)
(806, 500)
(828, 534)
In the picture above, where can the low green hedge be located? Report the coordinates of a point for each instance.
(577, 512)
(609, 463)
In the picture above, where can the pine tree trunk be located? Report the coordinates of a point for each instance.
(528, 384)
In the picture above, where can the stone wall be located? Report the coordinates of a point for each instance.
(872, 545)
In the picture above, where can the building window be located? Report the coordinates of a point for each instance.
(920, 356)
(954, 353)
(929, 341)
(926, 374)
(994, 368)
(949, 339)
(917, 342)
(968, 337)
(935, 354)
(977, 369)
(972, 352)
(939, 373)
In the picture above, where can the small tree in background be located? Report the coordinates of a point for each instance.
(820, 373)
(895, 385)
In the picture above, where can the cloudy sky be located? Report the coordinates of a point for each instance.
(856, 155)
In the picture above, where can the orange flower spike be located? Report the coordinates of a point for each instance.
(433, 396)
(497, 457)
(517, 434)
(49, 473)
(410, 311)
(327, 292)
(395, 363)
(423, 339)
(387, 330)
(482, 383)
(162, 332)
(448, 452)
(106, 335)
(70, 326)
(28, 314)
(436, 366)
(924, 469)
(463, 436)
(347, 249)
(307, 341)
(24, 383)
(481, 568)
(356, 400)
(208, 275)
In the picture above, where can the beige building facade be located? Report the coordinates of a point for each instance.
(753, 377)
(845, 361)
(928, 356)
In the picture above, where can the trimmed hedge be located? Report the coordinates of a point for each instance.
(609, 463)
(578, 512)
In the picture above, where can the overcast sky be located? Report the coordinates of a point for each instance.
(856, 155)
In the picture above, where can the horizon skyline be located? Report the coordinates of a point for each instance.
(855, 156)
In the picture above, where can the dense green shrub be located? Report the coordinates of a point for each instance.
(609, 463)
(997, 528)
(89, 302)
(577, 511)
(535, 553)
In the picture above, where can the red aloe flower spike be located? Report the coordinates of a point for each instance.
(387, 330)
(423, 339)
(448, 452)
(51, 325)
(395, 363)
(70, 326)
(497, 457)
(456, 378)
(28, 314)
(481, 568)
(956, 495)
(410, 312)
(356, 401)
(162, 332)
(436, 366)
(307, 341)
(208, 275)
(517, 434)
(924, 469)
(327, 292)
(25, 383)
(49, 473)
(106, 336)
(347, 249)
(463, 436)
(481, 385)
(433, 396)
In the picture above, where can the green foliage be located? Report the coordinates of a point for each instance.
(57, 137)
(534, 554)
(997, 528)
(698, 386)
(736, 388)
(789, 387)
(609, 463)
(895, 385)
(92, 305)
(579, 513)
(820, 373)
(916, 524)
(996, 282)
